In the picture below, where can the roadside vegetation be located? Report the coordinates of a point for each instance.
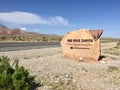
(109, 40)
(14, 77)
(30, 37)
(114, 50)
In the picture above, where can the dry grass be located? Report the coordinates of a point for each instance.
(114, 50)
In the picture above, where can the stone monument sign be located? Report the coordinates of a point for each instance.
(82, 45)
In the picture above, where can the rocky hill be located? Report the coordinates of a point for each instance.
(5, 30)
(7, 34)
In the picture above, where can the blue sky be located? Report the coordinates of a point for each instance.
(62, 16)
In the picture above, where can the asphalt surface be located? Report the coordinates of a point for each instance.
(14, 46)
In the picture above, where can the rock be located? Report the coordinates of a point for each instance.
(74, 81)
(102, 62)
(80, 59)
(82, 45)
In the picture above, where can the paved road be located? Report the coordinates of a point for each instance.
(13, 46)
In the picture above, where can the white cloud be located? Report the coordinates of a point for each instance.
(23, 28)
(59, 20)
(18, 17)
(22, 18)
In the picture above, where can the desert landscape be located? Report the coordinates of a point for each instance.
(54, 72)
(60, 45)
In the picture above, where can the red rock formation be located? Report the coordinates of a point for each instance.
(5, 30)
(96, 33)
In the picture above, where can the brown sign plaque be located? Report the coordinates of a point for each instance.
(82, 44)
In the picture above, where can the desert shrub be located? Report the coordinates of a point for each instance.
(118, 44)
(114, 50)
(14, 77)
(112, 68)
(44, 39)
(3, 38)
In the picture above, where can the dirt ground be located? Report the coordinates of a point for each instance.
(54, 72)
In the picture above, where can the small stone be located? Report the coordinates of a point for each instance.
(74, 81)
(56, 81)
(80, 59)
(67, 76)
(46, 87)
(103, 62)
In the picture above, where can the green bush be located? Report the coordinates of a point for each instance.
(14, 77)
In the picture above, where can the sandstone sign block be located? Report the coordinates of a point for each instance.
(82, 44)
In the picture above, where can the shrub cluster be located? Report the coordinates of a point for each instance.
(14, 77)
(30, 37)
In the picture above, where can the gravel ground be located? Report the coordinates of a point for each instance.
(58, 73)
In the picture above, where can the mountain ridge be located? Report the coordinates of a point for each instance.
(18, 35)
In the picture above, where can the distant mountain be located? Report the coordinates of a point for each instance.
(2, 26)
(6, 30)
(7, 34)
